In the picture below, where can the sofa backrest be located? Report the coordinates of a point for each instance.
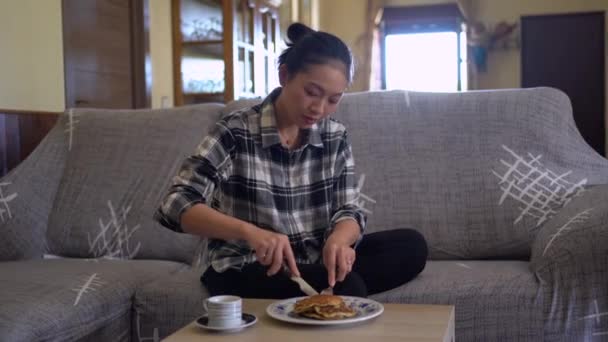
(476, 172)
(119, 165)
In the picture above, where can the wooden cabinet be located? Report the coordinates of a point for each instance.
(224, 49)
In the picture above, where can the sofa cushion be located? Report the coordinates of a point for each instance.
(69, 299)
(494, 300)
(167, 304)
(120, 164)
(477, 172)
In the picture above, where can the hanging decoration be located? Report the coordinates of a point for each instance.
(482, 38)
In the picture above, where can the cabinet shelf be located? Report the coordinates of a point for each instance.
(202, 42)
(192, 98)
(203, 94)
(215, 51)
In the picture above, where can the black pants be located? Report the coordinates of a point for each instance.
(384, 261)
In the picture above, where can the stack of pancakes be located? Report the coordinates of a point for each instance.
(323, 307)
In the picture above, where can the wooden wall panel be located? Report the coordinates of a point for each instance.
(20, 133)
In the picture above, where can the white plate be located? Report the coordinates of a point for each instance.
(366, 309)
(248, 320)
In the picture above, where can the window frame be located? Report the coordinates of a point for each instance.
(421, 19)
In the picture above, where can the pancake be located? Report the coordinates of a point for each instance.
(317, 300)
(328, 312)
(323, 307)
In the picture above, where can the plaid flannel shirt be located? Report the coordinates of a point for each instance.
(242, 170)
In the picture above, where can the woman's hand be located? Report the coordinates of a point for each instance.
(338, 258)
(271, 249)
(338, 255)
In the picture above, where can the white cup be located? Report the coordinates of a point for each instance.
(224, 311)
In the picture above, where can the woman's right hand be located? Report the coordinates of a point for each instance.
(272, 249)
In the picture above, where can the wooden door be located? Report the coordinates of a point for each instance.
(567, 52)
(104, 53)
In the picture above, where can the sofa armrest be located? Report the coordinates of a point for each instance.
(570, 260)
(26, 196)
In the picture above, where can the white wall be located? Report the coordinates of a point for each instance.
(504, 67)
(31, 56)
(346, 19)
(161, 53)
(31, 46)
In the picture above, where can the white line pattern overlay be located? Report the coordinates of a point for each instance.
(568, 226)
(596, 315)
(112, 241)
(362, 199)
(5, 210)
(91, 283)
(71, 125)
(539, 190)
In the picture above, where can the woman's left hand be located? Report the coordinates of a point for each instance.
(338, 258)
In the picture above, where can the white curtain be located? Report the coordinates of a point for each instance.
(369, 75)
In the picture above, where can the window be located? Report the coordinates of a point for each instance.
(424, 49)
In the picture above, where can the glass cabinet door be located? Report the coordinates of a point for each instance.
(244, 73)
(201, 59)
(201, 20)
(202, 68)
(224, 49)
(270, 27)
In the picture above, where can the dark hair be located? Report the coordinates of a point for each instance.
(306, 46)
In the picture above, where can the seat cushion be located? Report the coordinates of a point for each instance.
(494, 300)
(70, 299)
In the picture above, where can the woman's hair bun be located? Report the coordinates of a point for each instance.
(296, 31)
(306, 46)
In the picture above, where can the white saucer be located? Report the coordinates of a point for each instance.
(248, 320)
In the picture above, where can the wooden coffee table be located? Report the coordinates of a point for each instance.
(399, 322)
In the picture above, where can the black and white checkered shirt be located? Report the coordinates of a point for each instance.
(242, 170)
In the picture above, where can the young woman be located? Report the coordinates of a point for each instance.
(273, 188)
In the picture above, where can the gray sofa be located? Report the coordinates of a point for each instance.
(512, 201)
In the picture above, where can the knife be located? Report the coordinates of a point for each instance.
(304, 286)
